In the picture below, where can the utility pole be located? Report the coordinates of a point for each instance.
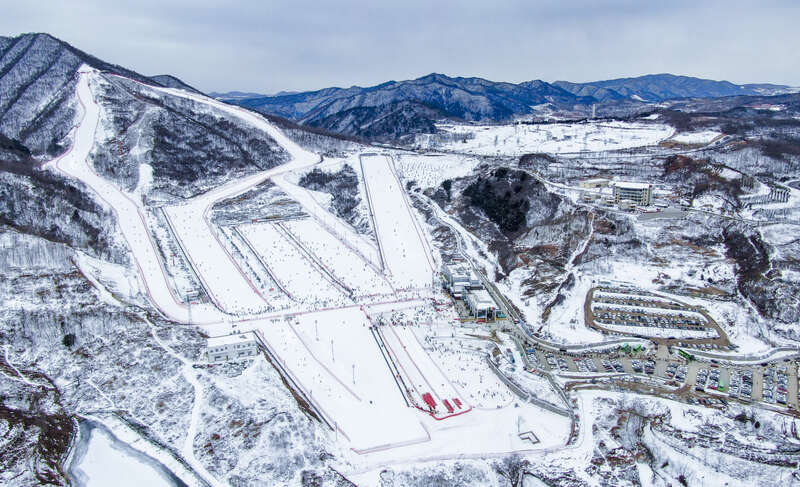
(354, 374)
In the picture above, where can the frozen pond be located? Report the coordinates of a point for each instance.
(101, 460)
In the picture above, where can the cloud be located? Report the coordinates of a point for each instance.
(267, 46)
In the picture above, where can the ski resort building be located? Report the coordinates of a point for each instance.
(481, 305)
(459, 277)
(231, 347)
(640, 193)
(594, 183)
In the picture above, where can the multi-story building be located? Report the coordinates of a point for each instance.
(640, 193)
(231, 347)
(481, 305)
(459, 277)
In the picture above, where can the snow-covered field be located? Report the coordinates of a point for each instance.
(337, 360)
(421, 375)
(464, 359)
(311, 202)
(358, 275)
(561, 138)
(291, 268)
(407, 256)
(702, 137)
(430, 170)
(105, 462)
(228, 285)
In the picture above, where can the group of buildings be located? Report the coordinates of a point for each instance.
(626, 195)
(463, 283)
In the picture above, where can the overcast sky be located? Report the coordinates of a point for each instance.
(271, 45)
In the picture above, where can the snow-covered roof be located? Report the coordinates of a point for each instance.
(230, 339)
(595, 180)
(481, 298)
(459, 270)
(627, 185)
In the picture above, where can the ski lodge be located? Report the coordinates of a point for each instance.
(481, 305)
(231, 347)
(459, 277)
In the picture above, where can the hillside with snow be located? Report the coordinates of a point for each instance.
(196, 294)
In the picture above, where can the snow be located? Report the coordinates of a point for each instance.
(106, 463)
(291, 268)
(331, 223)
(344, 264)
(430, 170)
(560, 138)
(229, 340)
(127, 209)
(418, 370)
(402, 242)
(629, 185)
(229, 287)
(701, 137)
(326, 351)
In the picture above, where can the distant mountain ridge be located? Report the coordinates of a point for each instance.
(354, 110)
(662, 87)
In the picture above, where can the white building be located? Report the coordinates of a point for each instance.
(594, 183)
(460, 277)
(231, 347)
(640, 193)
(481, 304)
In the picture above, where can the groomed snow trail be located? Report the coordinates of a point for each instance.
(400, 239)
(130, 219)
(231, 289)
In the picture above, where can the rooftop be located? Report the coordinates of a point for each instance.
(230, 339)
(482, 298)
(627, 185)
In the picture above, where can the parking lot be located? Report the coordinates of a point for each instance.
(773, 383)
(629, 311)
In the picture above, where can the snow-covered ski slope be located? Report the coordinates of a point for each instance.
(294, 270)
(338, 228)
(128, 210)
(335, 359)
(225, 282)
(401, 239)
(554, 138)
(363, 279)
(421, 374)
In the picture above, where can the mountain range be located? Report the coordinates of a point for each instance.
(397, 108)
